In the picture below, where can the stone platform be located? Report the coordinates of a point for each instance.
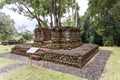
(59, 45)
(76, 57)
(21, 49)
(62, 38)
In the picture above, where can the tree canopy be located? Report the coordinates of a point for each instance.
(7, 28)
(103, 20)
(100, 24)
(40, 9)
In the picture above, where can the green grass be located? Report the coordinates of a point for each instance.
(5, 62)
(25, 73)
(112, 69)
(6, 48)
(111, 72)
(36, 73)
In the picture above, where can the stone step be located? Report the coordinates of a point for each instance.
(36, 57)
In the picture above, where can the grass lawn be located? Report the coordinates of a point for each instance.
(25, 73)
(112, 69)
(5, 48)
(36, 73)
(5, 62)
(111, 72)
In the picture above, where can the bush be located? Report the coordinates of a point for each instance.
(108, 41)
(21, 40)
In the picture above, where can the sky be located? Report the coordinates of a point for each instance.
(28, 24)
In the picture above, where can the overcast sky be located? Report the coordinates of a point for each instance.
(30, 24)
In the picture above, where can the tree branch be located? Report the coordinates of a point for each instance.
(34, 16)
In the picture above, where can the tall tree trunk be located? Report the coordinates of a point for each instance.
(73, 10)
(38, 20)
(76, 15)
(51, 11)
(55, 14)
(55, 20)
(59, 14)
(51, 21)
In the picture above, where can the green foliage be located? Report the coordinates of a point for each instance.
(102, 20)
(27, 35)
(108, 41)
(7, 29)
(68, 22)
(84, 29)
(40, 9)
(21, 40)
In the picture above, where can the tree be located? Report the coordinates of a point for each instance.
(105, 19)
(75, 14)
(73, 20)
(27, 35)
(7, 28)
(68, 22)
(40, 9)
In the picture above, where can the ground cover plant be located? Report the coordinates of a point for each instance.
(112, 69)
(5, 48)
(5, 62)
(36, 73)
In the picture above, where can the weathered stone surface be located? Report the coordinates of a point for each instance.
(57, 38)
(21, 49)
(41, 35)
(37, 44)
(77, 57)
(65, 34)
(62, 45)
(9, 42)
(65, 38)
(66, 45)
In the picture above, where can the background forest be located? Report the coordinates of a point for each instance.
(100, 24)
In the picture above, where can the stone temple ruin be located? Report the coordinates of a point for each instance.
(59, 45)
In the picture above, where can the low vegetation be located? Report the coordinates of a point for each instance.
(112, 69)
(27, 73)
(36, 73)
(5, 62)
(5, 48)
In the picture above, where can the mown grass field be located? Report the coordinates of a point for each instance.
(27, 73)
(112, 69)
(36, 73)
(5, 62)
(5, 48)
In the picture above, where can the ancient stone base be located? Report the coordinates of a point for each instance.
(67, 45)
(21, 49)
(65, 38)
(76, 57)
(37, 44)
